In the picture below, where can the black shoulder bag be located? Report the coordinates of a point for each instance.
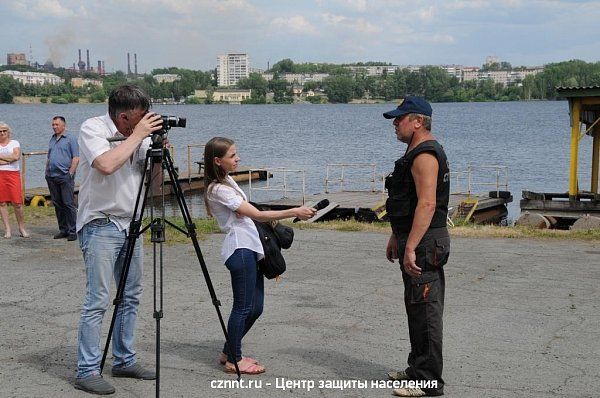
(273, 239)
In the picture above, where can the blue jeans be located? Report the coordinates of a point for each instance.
(104, 248)
(248, 298)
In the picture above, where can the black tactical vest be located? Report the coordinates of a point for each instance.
(402, 200)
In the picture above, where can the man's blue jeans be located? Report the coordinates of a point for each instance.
(104, 248)
(248, 297)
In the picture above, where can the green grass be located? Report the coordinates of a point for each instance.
(466, 230)
(43, 216)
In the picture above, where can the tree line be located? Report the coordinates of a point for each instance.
(341, 86)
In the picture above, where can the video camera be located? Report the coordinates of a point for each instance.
(173, 121)
(167, 123)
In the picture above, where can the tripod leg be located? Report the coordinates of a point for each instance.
(191, 228)
(132, 237)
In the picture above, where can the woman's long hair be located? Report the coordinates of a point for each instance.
(217, 147)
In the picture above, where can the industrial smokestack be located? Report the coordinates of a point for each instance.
(81, 64)
(135, 63)
(128, 65)
(88, 60)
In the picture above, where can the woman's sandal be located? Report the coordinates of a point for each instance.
(223, 359)
(246, 367)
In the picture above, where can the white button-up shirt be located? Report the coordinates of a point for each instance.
(100, 195)
(241, 232)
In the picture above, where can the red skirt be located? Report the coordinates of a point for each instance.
(10, 187)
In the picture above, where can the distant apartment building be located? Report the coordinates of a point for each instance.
(504, 77)
(453, 70)
(81, 82)
(166, 78)
(231, 68)
(36, 78)
(301, 78)
(16, 59)
(522, 74)
(470, 73)
(491, 59)
(374, 70)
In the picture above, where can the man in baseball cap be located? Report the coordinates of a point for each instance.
(417, 207)
(416, 105)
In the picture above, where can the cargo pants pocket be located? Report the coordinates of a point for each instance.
(425, 288)
(437, 253)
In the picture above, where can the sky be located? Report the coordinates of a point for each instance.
(191, 33)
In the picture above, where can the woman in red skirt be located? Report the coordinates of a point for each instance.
(10, 181)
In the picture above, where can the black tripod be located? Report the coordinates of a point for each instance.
(155, 156)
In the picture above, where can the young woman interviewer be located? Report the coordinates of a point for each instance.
(241, 248)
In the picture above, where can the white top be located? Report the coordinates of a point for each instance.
(100, 195)
(241, 232)
(8, 150)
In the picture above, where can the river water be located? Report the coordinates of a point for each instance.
(530, 138)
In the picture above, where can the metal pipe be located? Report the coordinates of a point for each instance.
(595, 159)
(575, 130)
(189, 162)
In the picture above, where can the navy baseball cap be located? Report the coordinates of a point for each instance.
(410, 105)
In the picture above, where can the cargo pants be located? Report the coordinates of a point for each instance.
(424, 302)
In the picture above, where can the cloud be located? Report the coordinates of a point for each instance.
(439, 38)
(362, 26)
(333, 20)
(426, 14)
(197, 8)
(38, 9)
(295, 24)
(190, 33)
(350, 25)
(356, 5)
(465, 4)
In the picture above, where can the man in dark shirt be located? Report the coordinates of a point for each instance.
(63, 157)
(419, 189)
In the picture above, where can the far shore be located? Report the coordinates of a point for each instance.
(22, 100)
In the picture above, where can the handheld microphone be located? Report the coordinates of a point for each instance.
(319, 206)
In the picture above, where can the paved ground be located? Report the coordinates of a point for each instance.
(522, 319)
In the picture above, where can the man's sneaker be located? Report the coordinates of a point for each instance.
(72, 237)
(409, 392)
(135, 371)
(94, 384)
(60, 235)
(399, 375)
